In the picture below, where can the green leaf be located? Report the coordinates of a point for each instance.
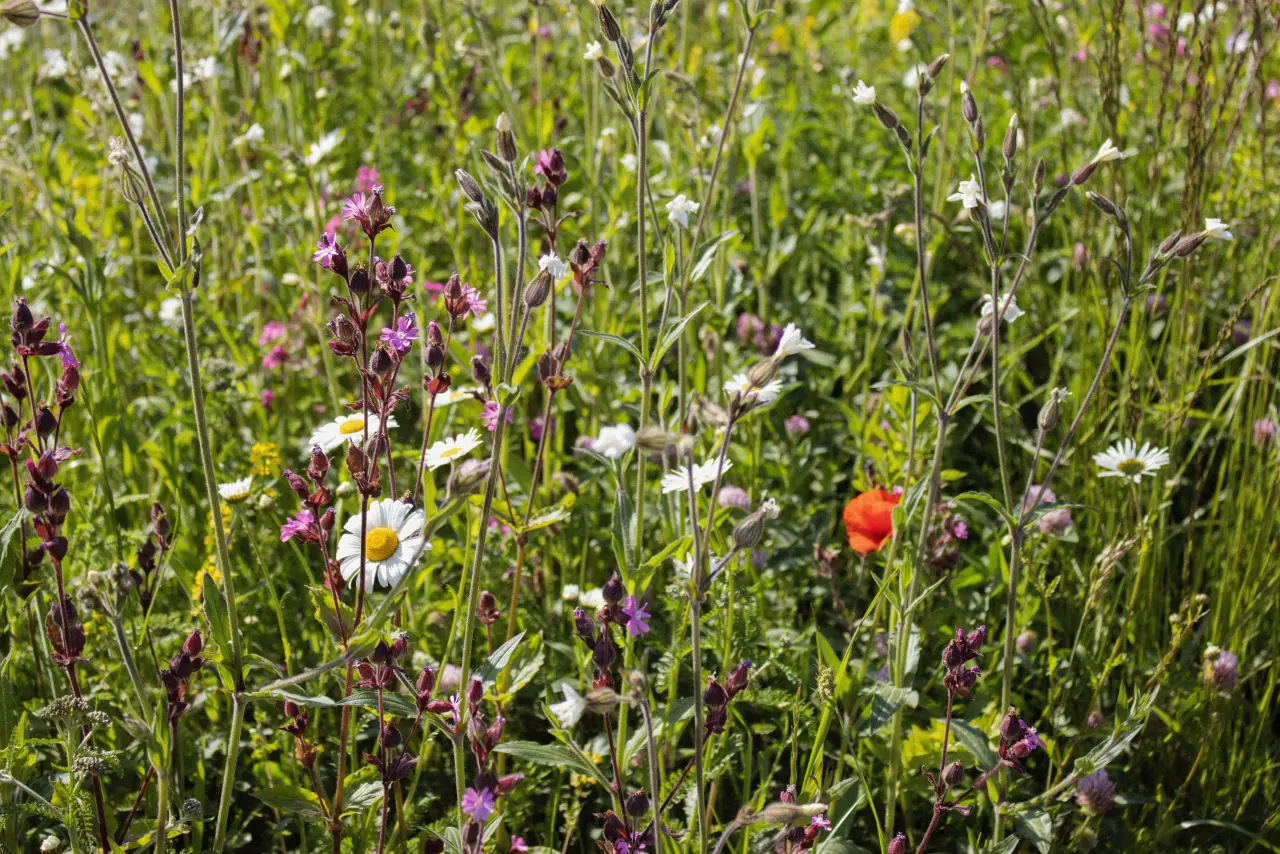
(976, 742)
(494, 664)
(1035, 826)
(552, 756)
(673, 335)
(885, 701)
(322, 600)
(624, 535)
(393, 703)
(291, 799)
(615, 339)
(9, 559)
(709, 250)
(1125, 732)
(215, 611)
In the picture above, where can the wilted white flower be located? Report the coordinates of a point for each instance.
(679, 208)
(593, 52)
(864, 94)
(792, 342)
(1126, 460)
(553, 265)
(1217, 229)
(969, 193)
(741, 384)
(614, 441)
(1011, 310)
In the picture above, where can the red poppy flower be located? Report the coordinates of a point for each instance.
(868, 519)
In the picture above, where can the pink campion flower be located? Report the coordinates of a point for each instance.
(401, 338)
(475, 303)
(1272, 91)
(536, 427)
(997, 62)
(366, 179)
(490, 415)
(69, 359)
(275, 357)
(498, 525)
(796, 425)
(327, 249)
(519, 845)
(268, 398)
(479, 805)
(1154, 10)
(1265, 432)
(433, 287)
(637, 614)
(331, 227)
(821, 822)
(301, 525)
(272, 331)
(356, 207)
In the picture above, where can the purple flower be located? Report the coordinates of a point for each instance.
(1096, 719)
(366, 179)
(960, 529)
(735, 496)
(536, 427)
(820, 821)
(474, 303)
(882, 675)
(275, 357)
(302, 525)
(69, 359)
(518, 844)
(326, 250)
(1241, 332)
(479, 805)
(796, 425)
(637, 613)
(356, 207)
(1054, 522)
(1221, 669)
(490, 415)
(268, 398)
(1273, 90)
(272, 331)
(401, 338)
(1096, 794)
(1265, 431)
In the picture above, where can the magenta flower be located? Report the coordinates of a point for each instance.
(356, 207)
(275, 357)
(326, 250)
(401, 338)
(637, 614)
(536, 427)
(69, 359)
(796, 425)
(302, 525)
(490, 416)
(268, 398)
(366, 179)
(821, 822)
(519, 845)
(331, 227)
(272, 331)
(479, 805)
(735, 496)
(474, 303)
(1273, 90)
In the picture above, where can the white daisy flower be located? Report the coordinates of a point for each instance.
(1011, 311)
(570, 593)
(345, 428)
(319, 17)
(392, 541)
(592, 598)
(593, 52)
(1218, 229)
(448, 450)
(553, 265)
(704, 473)
(452, 396)
(1126, 460)
(679, 208)
(614, 441)
(864, 94)
(741, 384)
(792, 342)
(1109, 152)
(236, 491)
(969, 193)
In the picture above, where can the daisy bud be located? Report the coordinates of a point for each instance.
(935, 67)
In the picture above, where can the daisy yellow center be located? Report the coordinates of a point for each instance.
(351, 425)
(380, 543)
(450, 453)
(1131, 466)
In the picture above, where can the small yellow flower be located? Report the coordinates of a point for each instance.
(901, 25)
(264, 459)
(579, 781)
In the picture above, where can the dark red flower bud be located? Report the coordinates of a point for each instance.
(193, 644)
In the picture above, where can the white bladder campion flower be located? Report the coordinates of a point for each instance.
(703, 473)
(593, 52)
(1109, 152)
(792, 342)
(1126, 460)
(741, 384)
(554, 265)
(1011, 310)
(969, 193)
(1217, 229)
(569, 710)
(614, 441)
(392, 542)
(236, 491)
(447, 450)
(864, 94)
(679, 208)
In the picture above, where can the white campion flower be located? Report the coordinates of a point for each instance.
(792, 342)
(1109, 152)
(679, 208)
(553, 265)
(877, 257)
(569, 710)
(1126, 460)
(1217, 229)
(614, 441)
(592, 598)
(703, 473)
(322, 148)
(969, 193)
(55, 65)
(912, 78)
(740, 384)
(319, 17)
(252, 136)
(593, 52)
(864, 94)
(1011, 310)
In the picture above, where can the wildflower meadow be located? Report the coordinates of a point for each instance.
(640, 426)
